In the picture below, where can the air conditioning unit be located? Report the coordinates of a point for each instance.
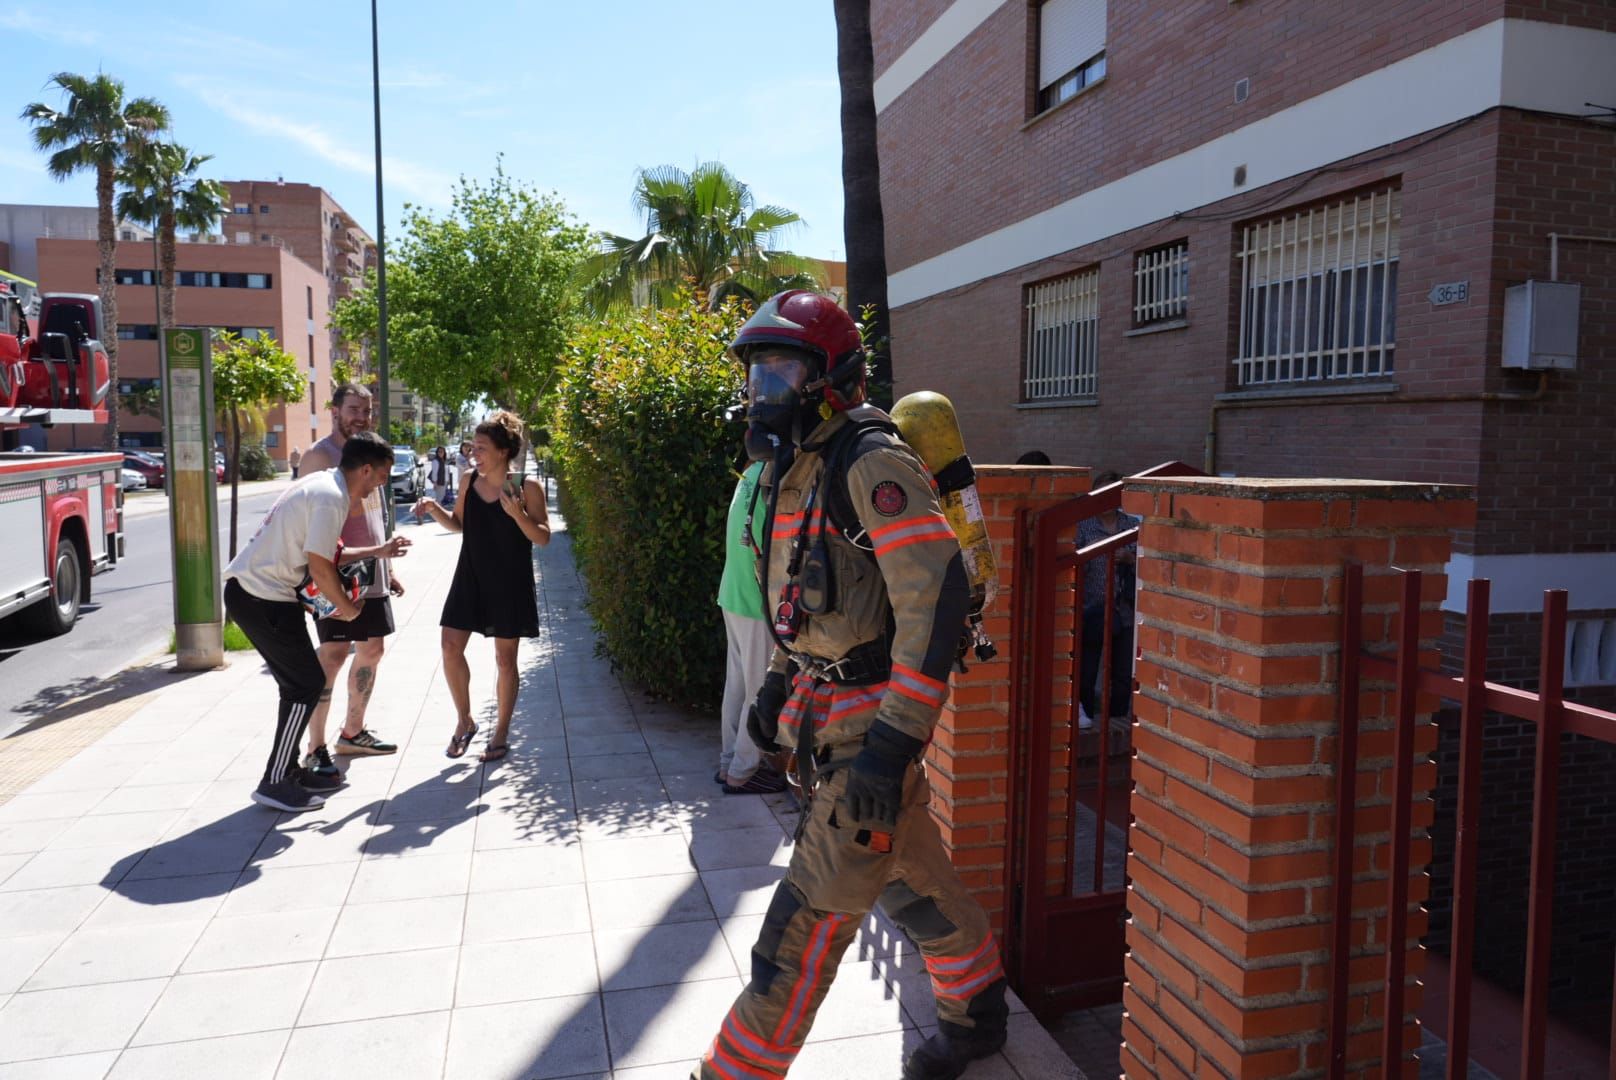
(1540, 325)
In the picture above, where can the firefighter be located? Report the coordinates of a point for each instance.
(867, 596)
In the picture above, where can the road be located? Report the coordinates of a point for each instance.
(130, 617)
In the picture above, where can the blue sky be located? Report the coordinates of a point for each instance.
(575, 96)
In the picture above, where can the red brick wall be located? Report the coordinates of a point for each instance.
(956, 162)
(895, 26)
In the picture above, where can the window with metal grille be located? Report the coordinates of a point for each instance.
(1161, 284)
(1318, 292)
(1063, 318)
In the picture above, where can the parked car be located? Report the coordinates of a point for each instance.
(132, 480)
(409, 474)
(146, 465)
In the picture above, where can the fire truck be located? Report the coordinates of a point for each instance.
(61, 515)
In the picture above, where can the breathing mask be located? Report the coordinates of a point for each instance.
(778, 413)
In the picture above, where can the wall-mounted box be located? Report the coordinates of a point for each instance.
(1540, 325)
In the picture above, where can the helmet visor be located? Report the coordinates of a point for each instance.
(775, 380)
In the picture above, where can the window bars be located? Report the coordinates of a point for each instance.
(1062, 338)
(1318, 292)
(1161, 284)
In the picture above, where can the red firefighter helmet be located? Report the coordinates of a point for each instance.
(815, 323)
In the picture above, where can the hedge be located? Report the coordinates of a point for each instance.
(647, 469)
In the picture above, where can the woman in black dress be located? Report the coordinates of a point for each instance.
(502, 515)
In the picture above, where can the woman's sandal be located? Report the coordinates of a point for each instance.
(459, 744)
(495, 752)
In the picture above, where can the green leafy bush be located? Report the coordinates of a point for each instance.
(647, 468)
(256, 464)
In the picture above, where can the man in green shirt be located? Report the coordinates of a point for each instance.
(740, 762)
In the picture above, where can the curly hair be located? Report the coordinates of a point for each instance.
(504, 430)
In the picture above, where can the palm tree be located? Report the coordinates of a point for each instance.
(705, 233)
(96, 131)
(162, 190)
(863, 223)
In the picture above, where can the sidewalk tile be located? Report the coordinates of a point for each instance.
(545, 967)
(63, 806)
(860, 1002)
(10, 864)
(250, 1057)
(402, 839)
(161, 900)
(20, 957)
(263, 888)
(287, 936)
(415, 878)
(397, 925)
(760, 846)
(226, 1003)
(398, 1048)
(390, 984)
(77, 1067)
(1032, 1051)
(534, 1040)
(53, 869)
(119, 954)
(578, 746)
(47, 911)
(649, 901)
(614, 766)
(102, 1018)
(745, 890)
(721, 812)
(527, 867)
(667, 1024)
(660, 955)
(649, 856)
(30, 836)
(515, 914)
(128, 800)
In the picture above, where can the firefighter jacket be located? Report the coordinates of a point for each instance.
(899, 576)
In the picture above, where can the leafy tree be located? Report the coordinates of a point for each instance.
(162, 190)
(704, 233)
(249, 373)
(96, 130)
(479, 302)
(863, 223)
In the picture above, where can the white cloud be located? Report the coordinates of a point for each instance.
(60, 30)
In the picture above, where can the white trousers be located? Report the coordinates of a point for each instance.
(746, 662)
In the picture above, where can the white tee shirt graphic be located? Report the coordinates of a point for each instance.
(307, 518)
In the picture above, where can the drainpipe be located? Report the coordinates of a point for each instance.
(1210, 465)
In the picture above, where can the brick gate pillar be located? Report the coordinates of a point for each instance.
(1238, 714)
(968, 760)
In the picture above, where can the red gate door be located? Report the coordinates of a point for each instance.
(1069, 817)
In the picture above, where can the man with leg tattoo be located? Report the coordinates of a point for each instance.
(363, 535)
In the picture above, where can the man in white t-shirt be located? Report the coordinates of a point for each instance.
(297, 541)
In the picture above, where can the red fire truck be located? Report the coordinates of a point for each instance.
(61, 515)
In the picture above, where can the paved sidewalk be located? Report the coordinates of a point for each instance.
(583, 909)
(145, 503)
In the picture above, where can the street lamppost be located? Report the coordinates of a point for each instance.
(381, 255)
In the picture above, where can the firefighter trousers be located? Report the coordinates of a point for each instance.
(837, 873)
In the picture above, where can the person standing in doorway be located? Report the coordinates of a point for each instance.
(365, 528)
(1092, 531)
(502, 516)
(298, 543)
(741, 768)
(294, 459)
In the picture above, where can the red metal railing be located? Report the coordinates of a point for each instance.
(1065, 950)
(1553, 715)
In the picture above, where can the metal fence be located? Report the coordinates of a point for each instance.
(1553, 715)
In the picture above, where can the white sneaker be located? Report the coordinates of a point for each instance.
(1085, 722)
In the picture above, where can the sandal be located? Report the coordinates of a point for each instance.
(459, 744)
(495, 752)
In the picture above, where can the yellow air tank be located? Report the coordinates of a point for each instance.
(929, 425)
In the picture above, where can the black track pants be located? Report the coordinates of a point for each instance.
(280, 634)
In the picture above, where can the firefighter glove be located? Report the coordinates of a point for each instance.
(763, 718)
(875, 778)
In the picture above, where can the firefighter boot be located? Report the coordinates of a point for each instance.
(946, 1054)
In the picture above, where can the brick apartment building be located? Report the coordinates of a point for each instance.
(1274, 238)
(253, 288)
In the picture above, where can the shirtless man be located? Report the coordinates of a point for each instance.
(364, 529)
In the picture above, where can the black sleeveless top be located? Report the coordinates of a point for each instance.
(492, 592)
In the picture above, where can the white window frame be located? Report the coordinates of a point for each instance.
(1071, 53)
(1161, 284)
(1062, 354)
(1318, 292)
